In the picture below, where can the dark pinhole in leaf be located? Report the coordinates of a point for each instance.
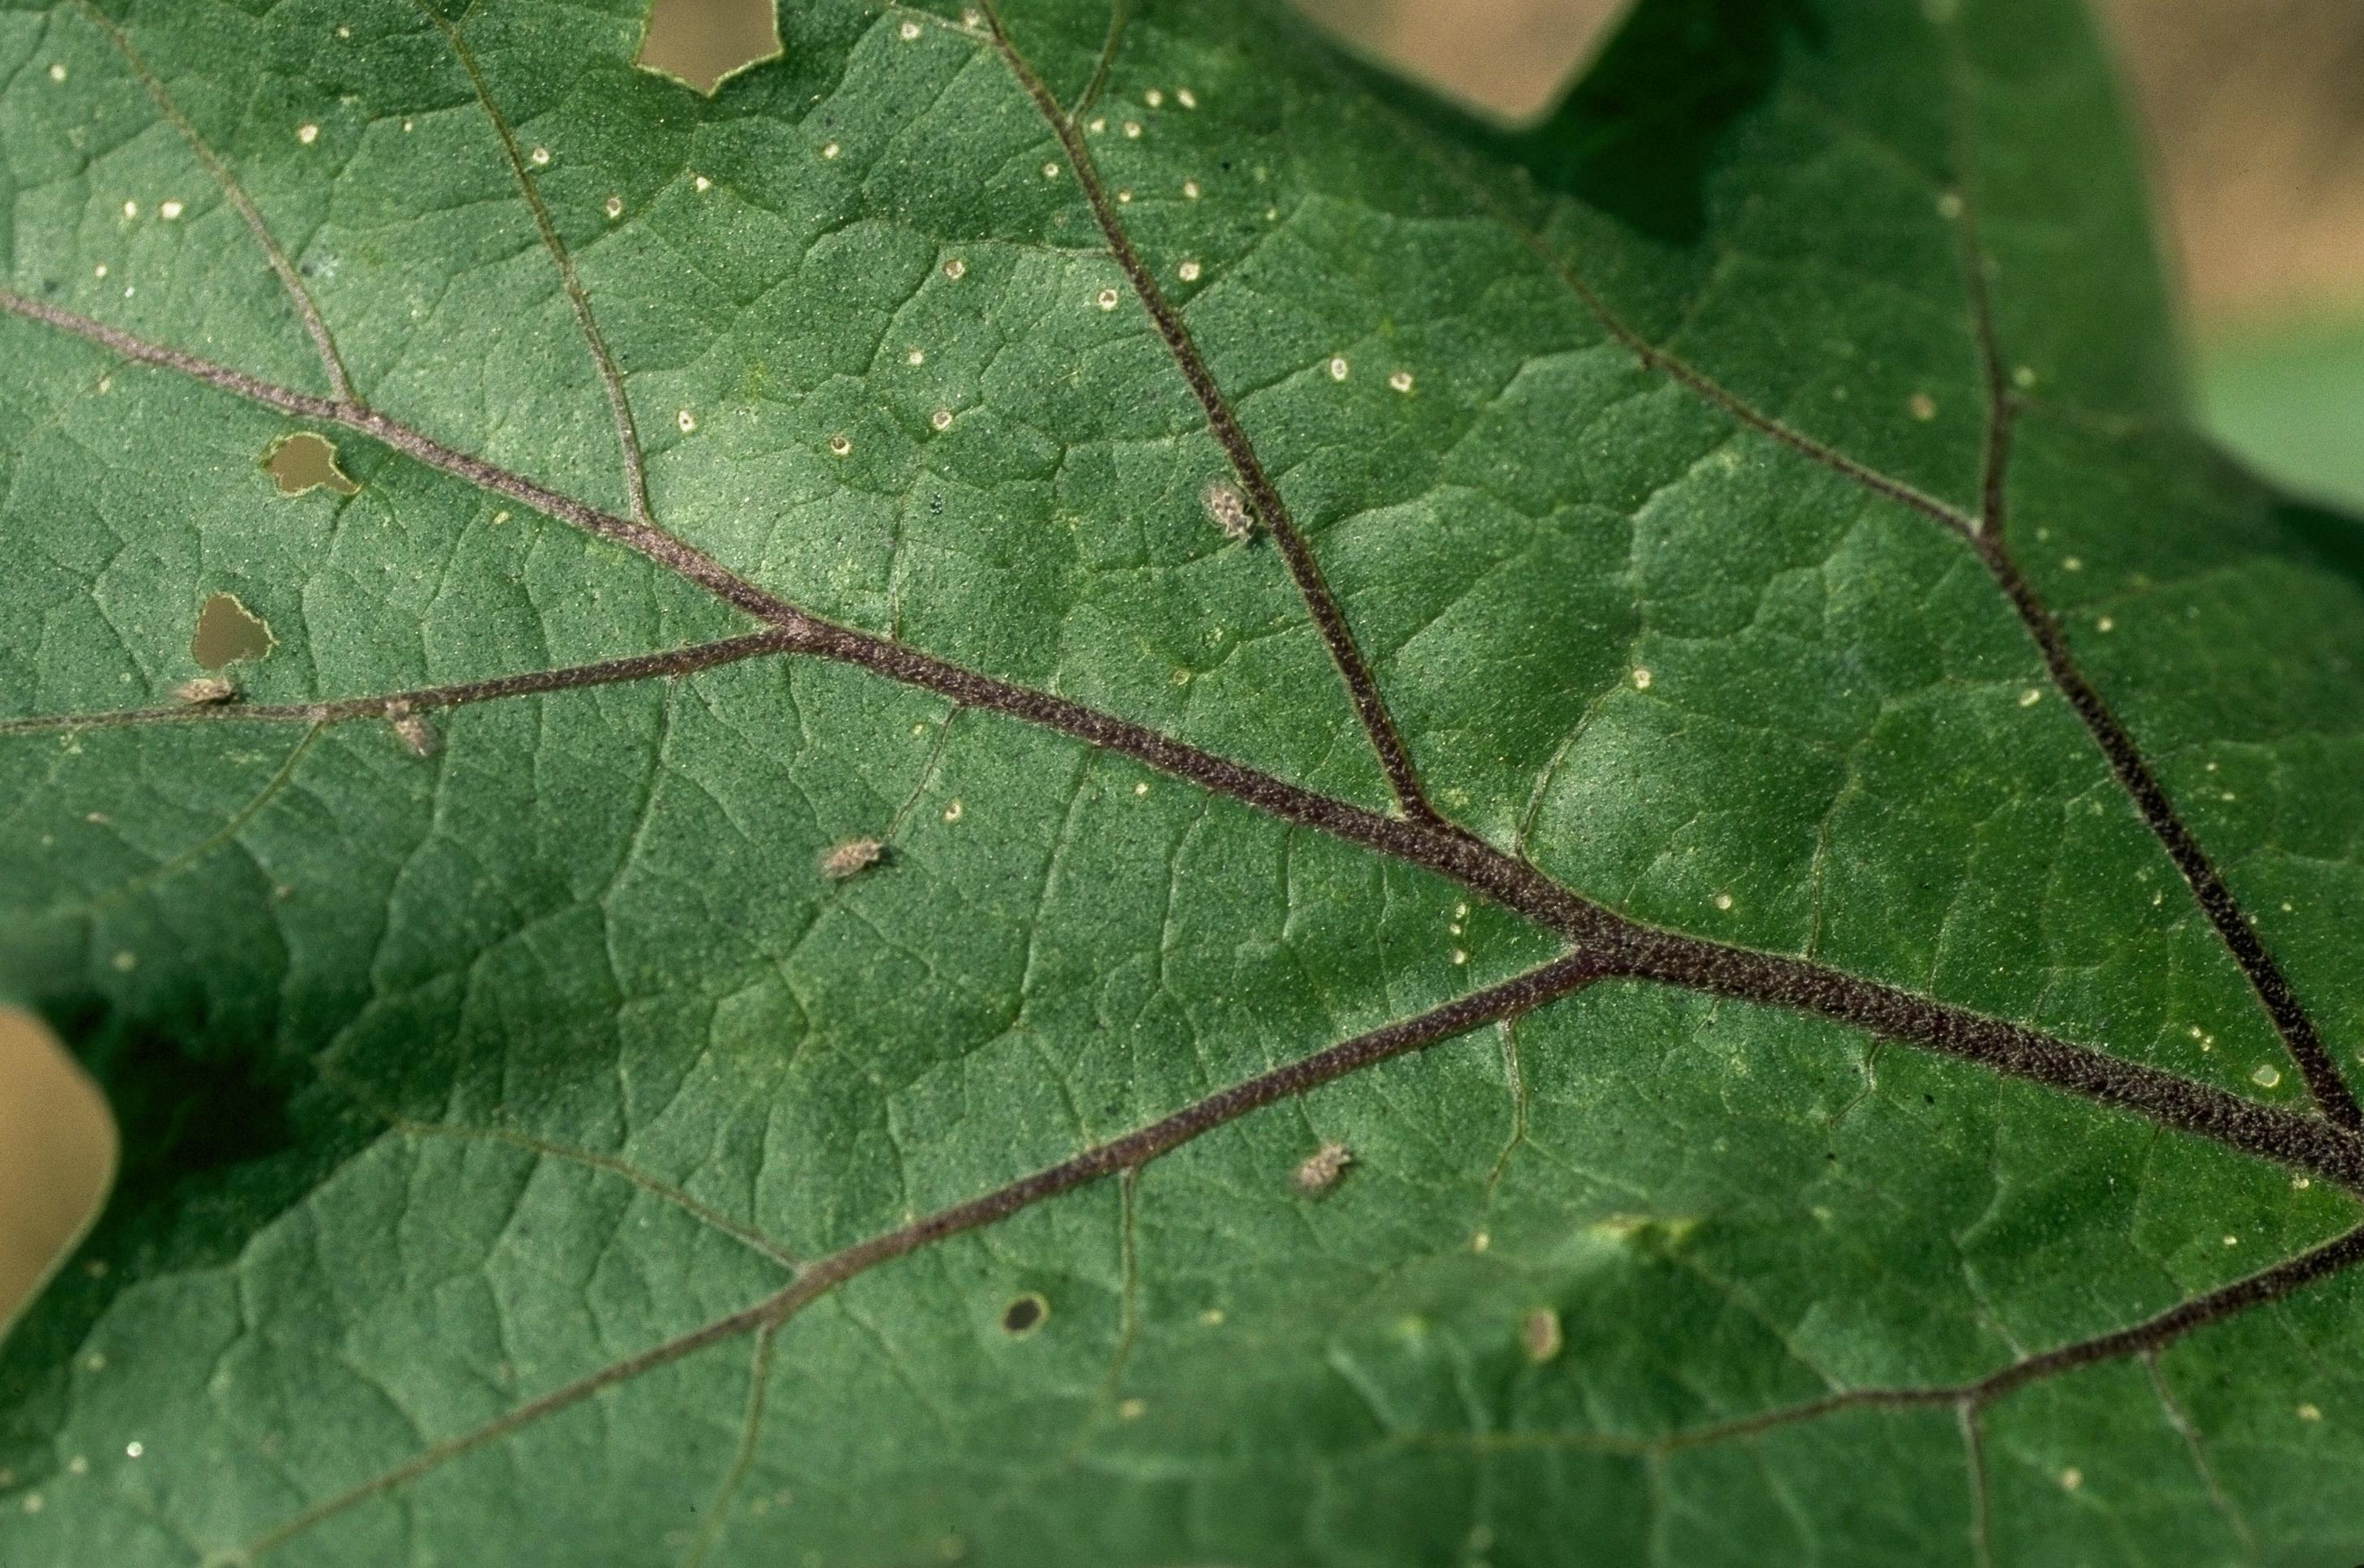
(1025, 1314)
(303, 463)
(703, 41)
(226, 632)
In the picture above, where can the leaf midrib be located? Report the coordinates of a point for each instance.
(1606, 943)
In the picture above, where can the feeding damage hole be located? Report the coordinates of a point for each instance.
(303, 462)
(703, 41)
(226, 632)
(1025, 1315)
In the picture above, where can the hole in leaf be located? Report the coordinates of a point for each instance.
(1025, 1314)
(61, 1154)
(226, 632)
(702, 41)
(303, 462)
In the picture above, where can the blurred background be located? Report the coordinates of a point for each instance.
(2255, 116)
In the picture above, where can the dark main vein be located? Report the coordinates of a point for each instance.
(1522, 994)
(460, 693)
(2273, 989)
(298, 294)
(612, 382)
(646, 538)
(1983, 533)
(2152, 1334)
(2295, 1140)
(1362, 686)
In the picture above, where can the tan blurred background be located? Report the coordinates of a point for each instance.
(2255, 110)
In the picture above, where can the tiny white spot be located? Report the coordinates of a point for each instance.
(541, 157)
(1184, 96)
(956, 268)
(1050, 170)
(1153, 98)
(916, 357)
(2105, 624)
(1641, 679)
(2071, 1478)
(32, 1503)
(1132, 129)
(2309, 1413)
(1190, 189)
(1480, 1241)
(1187, 271)
(134, 1450)
(953, 812)
(909, 30)
(686, 420)
(131, 209)
(1107, 299)
(1923, 406)
(1338, 368)
(831, 149)
(1949, 205)
(1212, 1318)
(942, 418)
(99, 270)
(169, 211)
(2265, 1075)
(2024, 377)
(840, 445)
(405, 127)
(57, 72)
(1401, 381)
(1098, 125)
(307, 133)
(615, 206)
(1131, 1409)
(701, 183)
(1460, 956)
(2302, 1183)
(2072, 563)
(1124, 198)
(94, 1361)
(2030, 698)
(1141, 789)
(1461, 911)
(125, 963)
(2232, 1240)
(973, 17)
(1723, 900)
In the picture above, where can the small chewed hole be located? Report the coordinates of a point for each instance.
(303, 462)
(1025, 1314)
(226, 632)
(702, 41)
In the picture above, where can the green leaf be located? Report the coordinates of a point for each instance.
(2286, 398)
(1726, 937)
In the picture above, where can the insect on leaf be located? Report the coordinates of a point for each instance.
(1796, 823)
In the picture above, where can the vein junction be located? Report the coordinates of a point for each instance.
(1600, 944)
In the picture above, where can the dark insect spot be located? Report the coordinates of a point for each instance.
(226, 632)
(1025, 1315)
(303, 462)
(702, 41)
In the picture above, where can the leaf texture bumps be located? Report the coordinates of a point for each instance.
(1775, 835)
